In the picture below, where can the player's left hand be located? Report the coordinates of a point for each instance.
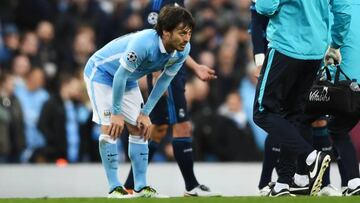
(143, 122)
(205, 73)
(332, 56)
(256, 72)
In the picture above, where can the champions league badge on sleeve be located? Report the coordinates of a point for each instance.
(131, 57)
(152, 18)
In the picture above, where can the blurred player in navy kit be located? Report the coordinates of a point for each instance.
(171, 111)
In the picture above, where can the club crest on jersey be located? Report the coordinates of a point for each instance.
(131, 57)
(107, 113)
(171, 62)
(182, 113)
(152, 18)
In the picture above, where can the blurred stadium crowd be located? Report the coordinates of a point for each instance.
(44, 109)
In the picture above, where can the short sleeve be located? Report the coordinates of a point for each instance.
(135, 53)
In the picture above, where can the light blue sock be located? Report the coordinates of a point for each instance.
(110, 160)
(138, 154)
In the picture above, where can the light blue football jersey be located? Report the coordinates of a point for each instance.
(124, 60)
(141, 53)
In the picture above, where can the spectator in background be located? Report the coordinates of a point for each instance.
(224, 136)
(47, 52)
(20, 67)
(30, 47)
(82, 48)
(11, 116)
(32, 96)
(4, 130)
(232, 109)
(59, 123)
(78, 13)
(29, 13)
(11, 43)
(226, 57)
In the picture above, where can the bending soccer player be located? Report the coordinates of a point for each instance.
(111, 76)
(171, 112)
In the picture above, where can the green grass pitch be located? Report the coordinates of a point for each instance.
(191, 200)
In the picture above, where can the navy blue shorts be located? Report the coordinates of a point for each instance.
(171, 109)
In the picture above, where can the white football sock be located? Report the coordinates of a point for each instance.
(301, 180)
(311, 158)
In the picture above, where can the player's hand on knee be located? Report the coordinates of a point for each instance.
(116, 126)
(143, 122)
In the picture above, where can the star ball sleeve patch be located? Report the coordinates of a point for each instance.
(152, 18)
(131, 57)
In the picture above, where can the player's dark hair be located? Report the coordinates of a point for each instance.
(171, 16)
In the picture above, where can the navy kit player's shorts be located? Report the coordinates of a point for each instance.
(283, 84)
(171, 109)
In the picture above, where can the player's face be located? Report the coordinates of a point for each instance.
(179, 37)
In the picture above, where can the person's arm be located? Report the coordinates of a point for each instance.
(160, 87)
(135, 53)
(342, 17)
(163, 82)
(118, 88)
(258, 36)
(143, 121)
(340, 28)
(203, 72)
(267, 7)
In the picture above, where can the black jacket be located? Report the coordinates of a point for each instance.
(52, 123)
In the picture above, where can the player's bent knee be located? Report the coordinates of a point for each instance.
(104, 136)
(182, 129)
(105, 129)
(159, 132)
(133, 130)
(137, 139)
(319, 123)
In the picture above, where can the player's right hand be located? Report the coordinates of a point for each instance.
(116, 126)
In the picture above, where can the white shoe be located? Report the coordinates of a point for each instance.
(329, 190)
(265, 191)
(148, 192)
(201, 191)
(343, 190)
(119, 193)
